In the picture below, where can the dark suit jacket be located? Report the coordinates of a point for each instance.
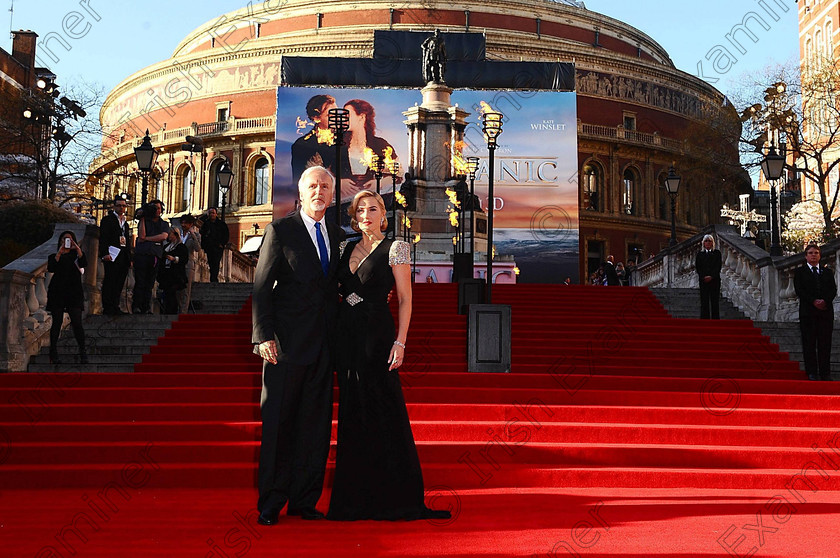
(808, 290)
(708, 265)
(109, 235)
(293, 300)
(610, 273)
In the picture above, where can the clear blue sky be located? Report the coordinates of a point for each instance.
(131, 35)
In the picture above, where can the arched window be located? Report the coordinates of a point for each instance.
(262, 193)
(591, 186)
(187, 187)
(664, 200)
(133, 192)
(181, 189)
(628, 193)
(819, 48)
(829, 39)
(214, 197)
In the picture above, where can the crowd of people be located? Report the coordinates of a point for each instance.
(612, 274)
(160, 254)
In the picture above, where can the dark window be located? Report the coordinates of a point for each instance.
(628, 195)
(261, 192)
(591, 187)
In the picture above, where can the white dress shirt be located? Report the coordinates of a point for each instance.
(309, 223)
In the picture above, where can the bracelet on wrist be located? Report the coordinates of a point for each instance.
(399, 344)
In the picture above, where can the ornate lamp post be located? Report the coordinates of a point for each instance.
(339, 120)
(472, 167)
(224, 176)
(672, 185)
(377, 165)
(772, 166)
(394, 170)
(492, 127)
(146, 157)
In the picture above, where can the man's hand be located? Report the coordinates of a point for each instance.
(268, 351)
(107, 258)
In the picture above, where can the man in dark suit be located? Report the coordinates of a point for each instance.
(609, 272)
(707, 263)
(214, 238)
(816, 289)
(295, 302)
(114, 237)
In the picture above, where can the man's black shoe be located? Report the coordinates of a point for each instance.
(813, 378)
(306, 513)
(268, 517)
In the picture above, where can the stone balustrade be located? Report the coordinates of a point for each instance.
(759, 285)
(25, 325)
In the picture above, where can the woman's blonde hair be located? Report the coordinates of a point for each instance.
(354, 205)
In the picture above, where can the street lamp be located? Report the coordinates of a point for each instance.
(472, 168)
(339, 121)
(146, 157)
(492, 127)
(377, 165)
(672, 186)
(772, 166)
(224, 176)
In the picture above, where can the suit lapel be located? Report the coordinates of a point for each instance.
(335, 232)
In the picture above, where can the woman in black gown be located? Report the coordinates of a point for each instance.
(377, 471)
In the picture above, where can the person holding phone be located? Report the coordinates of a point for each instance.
(65, 293)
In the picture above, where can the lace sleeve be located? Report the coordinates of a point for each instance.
(399, 253)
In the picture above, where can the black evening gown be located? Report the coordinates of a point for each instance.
(377, 472)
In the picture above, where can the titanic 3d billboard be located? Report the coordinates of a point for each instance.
(535, 179)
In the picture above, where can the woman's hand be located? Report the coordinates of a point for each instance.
(396, 357)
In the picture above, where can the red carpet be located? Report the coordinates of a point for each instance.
(620, 432)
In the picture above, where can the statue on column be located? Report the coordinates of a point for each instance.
(434, 58)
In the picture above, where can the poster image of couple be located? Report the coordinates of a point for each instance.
(361, 145)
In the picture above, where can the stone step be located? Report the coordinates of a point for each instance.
(685, 303)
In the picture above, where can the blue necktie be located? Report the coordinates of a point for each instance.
(322, 249)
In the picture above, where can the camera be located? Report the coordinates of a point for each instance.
(67, 242)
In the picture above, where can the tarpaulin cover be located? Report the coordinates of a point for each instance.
(407, 45)
(389, 72)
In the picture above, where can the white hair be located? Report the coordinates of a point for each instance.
(710, 237)
(312, 170)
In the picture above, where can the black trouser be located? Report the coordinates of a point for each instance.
(144, 280)
(170, 299)
(817, 330)
(214, 260)
(296, 423)
(75, 322)
(112, 286)
(710, 299)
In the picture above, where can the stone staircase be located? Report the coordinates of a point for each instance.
(117, 343)
(685, 303)
(219, 298)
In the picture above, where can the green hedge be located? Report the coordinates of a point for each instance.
(26, 225)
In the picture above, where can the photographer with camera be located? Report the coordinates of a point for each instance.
(172, 275)
(214, 239)
(190, 238)
(148, 251)
(65, 293)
